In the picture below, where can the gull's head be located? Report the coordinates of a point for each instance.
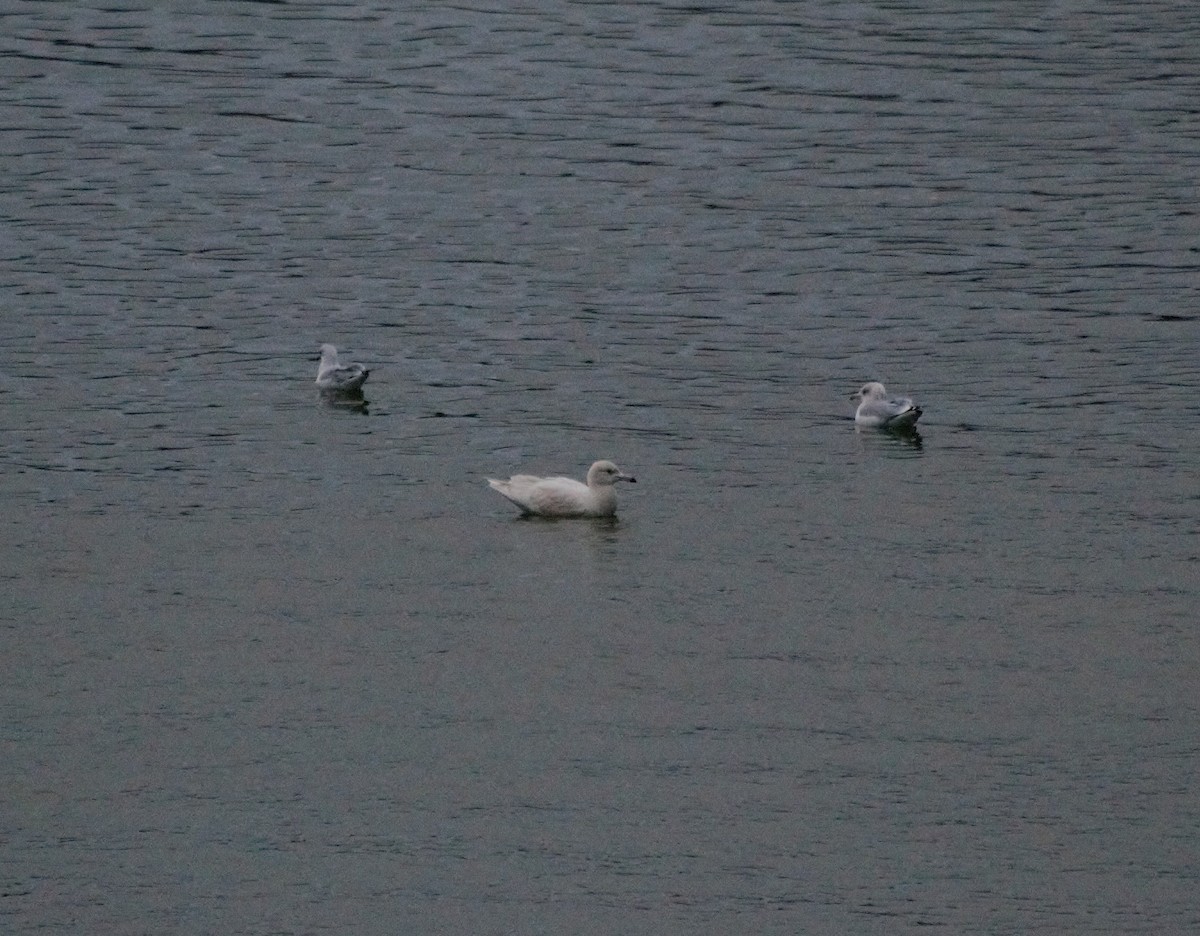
(870, 391)
(328, 354)
(605, 473)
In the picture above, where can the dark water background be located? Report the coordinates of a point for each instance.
(271, 666)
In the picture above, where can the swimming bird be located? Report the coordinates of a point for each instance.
(565, 497)
(339, 378)
(876, 408)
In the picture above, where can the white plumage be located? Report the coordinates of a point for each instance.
(339, 378)
(565, 497)
(876, 408)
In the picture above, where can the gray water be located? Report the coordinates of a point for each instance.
(277, 666)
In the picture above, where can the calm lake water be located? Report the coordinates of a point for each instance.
(276, 666)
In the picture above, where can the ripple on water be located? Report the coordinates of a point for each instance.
(806, 671)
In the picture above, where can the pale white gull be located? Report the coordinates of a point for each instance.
(565, 497)
(339, 378)
(876, 408)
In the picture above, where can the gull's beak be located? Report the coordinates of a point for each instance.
(630, 478)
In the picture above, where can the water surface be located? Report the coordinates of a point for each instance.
(277, 666)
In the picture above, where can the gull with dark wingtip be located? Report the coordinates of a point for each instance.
(877, 409)
(334, 377)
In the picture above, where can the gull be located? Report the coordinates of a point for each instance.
(339, 378)
(878, 409)
(565, 497)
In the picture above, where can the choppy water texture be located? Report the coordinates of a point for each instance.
(273, 666)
